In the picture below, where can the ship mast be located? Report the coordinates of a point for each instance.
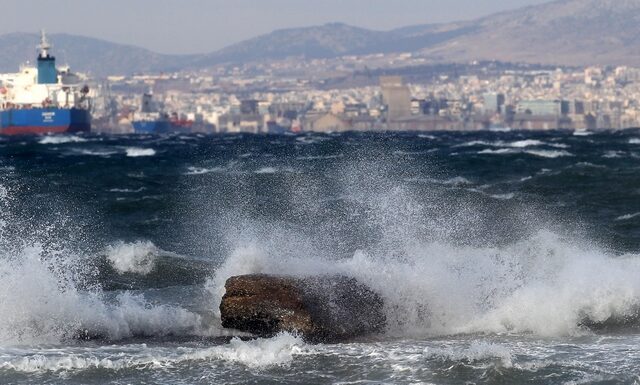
(44, 46)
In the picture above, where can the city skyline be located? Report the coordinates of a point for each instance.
(199, 26)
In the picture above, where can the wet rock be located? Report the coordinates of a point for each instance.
(321, 309)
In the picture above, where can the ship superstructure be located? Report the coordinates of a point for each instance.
(150, 118)
(43, 98)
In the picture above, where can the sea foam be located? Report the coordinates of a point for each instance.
(135, 152)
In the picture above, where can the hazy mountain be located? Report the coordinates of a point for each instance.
(573, 32)
(85, 54)
(570, 32)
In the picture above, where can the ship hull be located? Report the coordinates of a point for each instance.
(36, 121)
(151, 126)
(159, 127)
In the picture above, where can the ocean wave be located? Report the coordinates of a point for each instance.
(274, 170)
(518, 144)
(458, 181)
(548, 153)
(504, 197)
(202, 170)
(41, 303)
(134, 152)
(501, 151)
(103, 153)
(478, 351)
(634, 141)
(526, 143)
(255, 354)
(614, 154)
(541, 285)
(138, 257)
(127, 190)
(627, 217)
(61, 139)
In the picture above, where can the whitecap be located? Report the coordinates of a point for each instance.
(613, 154)
(627, 217)
(135, 152)
(476, 352)
(274, 170)
(503, 196)
(127, 191)
(548, 153)
(202, 170)
(61, 139)
(256, 354)
(104, 153)
(526, 143)
(137, 257)
(501, 151)
(474, 143)
(267, 170)
(634, 141)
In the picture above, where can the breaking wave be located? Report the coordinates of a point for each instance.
(444, 267)
(138, 257)
(255, 354)
(61, 139)
(478, 351)
(135, 152)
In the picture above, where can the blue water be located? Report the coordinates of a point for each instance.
(502, 257)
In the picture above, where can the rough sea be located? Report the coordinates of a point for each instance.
(502, 257)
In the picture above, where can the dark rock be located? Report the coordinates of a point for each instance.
(321, 309)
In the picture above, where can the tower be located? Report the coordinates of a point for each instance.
(397, 96)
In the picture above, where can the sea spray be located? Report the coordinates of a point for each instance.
(137, 257)
(442, 265)
(258, 354)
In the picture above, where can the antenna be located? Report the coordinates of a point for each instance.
(44, 46)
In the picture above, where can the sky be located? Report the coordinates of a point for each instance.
(199, 26)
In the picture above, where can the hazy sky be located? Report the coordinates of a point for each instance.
(196, 26)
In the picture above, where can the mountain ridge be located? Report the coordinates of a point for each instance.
(561, 32)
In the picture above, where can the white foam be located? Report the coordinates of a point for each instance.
(501, 151)
(627, 217)
(267, 170)
(549, 153)
(134, 152)
(458, 181)
(478, 351)
(203, 170)
(61, 139)
(526, 143)
(138, 257)
(127, 191)
(634, 141)
(103, 153)
(541, 285)
(274, 170)
(40, 303)
(613, 154)
(255, 354)
(503, 197)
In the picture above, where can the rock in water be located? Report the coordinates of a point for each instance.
(321, 309)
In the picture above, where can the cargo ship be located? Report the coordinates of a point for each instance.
(43, 99)
(151, 119)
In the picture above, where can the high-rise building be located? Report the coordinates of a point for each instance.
(396, 95)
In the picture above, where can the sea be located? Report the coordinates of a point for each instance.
(502, 257)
